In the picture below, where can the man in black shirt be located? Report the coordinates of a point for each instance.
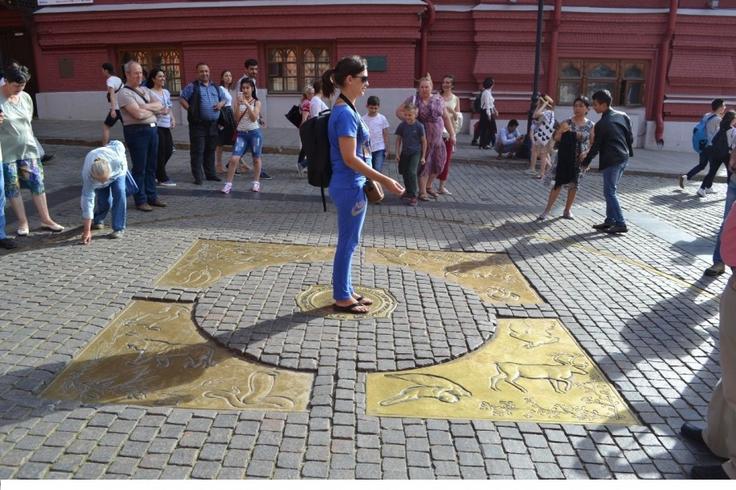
(613, 139)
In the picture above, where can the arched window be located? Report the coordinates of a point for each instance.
(291, 68)
(624, 79)
(168, 59)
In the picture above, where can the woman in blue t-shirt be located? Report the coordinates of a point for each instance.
(350, 155)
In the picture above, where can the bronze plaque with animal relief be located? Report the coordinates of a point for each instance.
(532, 370)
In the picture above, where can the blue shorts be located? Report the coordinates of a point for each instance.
(252, 140)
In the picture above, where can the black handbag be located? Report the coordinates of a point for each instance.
(294, 116)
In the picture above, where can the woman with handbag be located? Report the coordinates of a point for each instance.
(249, 136)
(226, 122)
(452, 104)
(350, 155)
(574, 137)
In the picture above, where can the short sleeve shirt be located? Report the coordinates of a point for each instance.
(376, 125)
(115, 84)
(344, 122)
(140, 96)
(209, 96)
(411, 137)
(316, 105)
(16, 133)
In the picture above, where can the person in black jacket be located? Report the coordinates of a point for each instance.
(613, 140)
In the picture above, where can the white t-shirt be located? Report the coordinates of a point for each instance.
(487, 102)
(115, 84)
(376, 125)
(316, 105)
(227, 96)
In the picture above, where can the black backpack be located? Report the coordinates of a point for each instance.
(719, 151)
(477, 105)
(316, 146)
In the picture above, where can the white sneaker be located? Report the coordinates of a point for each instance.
(711, 190)
(255, 186)
(701, 192)
(683, 181)
(227, 188)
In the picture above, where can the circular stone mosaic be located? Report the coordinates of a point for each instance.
(317, 301)
(256, 313)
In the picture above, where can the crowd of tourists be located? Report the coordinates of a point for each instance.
(359, 145)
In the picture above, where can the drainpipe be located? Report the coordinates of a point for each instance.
(554, 37)
(664, 57)
(428, 18)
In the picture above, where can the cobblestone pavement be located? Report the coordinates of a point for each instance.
(637, 303)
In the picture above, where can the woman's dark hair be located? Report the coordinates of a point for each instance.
(317, 85)
(583, 99)
(335, 77)
(452, 81)
(728, 118)
(248, 81)
(108, 68)
(16, 74)
(150, 80)
(222, 77)
(488, 83)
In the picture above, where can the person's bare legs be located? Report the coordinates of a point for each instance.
(232, 165)
(20, 212)
(42, 208)
(430, 182)
(105, 134)
(571, 193)
(553, 195)
(257, 169)
(543, 164)
(218, 160)
(533, 160)
(423, 186)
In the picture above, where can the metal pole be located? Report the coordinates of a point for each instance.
(535, 83)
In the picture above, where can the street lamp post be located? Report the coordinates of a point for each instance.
(535, 83)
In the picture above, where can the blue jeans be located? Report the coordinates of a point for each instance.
(351, 207)
(377, 159)
(111, 195)
(730, 200)
(248, 140)
(611, 177)
(142, 142)
(2, 206)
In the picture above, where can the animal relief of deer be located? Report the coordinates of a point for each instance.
(559, 375)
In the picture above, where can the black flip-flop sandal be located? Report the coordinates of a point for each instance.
(349, 309)
(364, 301)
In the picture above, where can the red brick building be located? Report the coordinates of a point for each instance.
(663, 60)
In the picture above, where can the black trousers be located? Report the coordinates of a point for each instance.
(165, 150)
(203, 140)
(487, 130)
(715, 165)
(702, 163)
